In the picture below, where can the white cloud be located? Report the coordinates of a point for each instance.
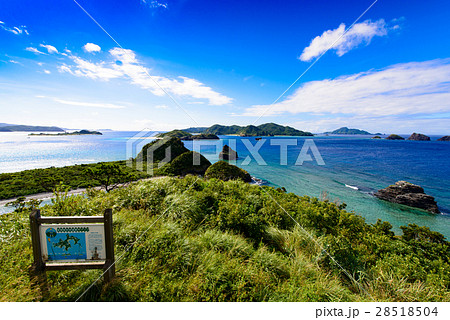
(195, 102)
(126, 65)
(16, 30)
(34, 50)
(85, 104)
(50, 49)
(91, 70)
(155, 4)
(47, 72)
(162, 106)
(402, 89)
(360, 33)
(91, 47)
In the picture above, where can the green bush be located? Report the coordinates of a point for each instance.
(187, 163)
(222, 170)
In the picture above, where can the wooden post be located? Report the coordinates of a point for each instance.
(37, 270)
(109, 267)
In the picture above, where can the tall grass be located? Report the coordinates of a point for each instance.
(229, 241)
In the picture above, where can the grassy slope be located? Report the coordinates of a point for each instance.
(229, 241)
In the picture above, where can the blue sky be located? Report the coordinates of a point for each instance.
(226, 62)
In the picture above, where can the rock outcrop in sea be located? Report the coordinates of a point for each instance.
(227, 153)
(395, 137)
(419, 137)
(408, 194)
(444, 138)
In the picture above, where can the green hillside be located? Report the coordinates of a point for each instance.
(267, 129)
(191, 239)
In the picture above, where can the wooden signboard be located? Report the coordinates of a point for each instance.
(65, 243)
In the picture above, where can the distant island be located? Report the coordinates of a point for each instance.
(184, 135)
(266, 129)
(419, 137)
(195, 129)
(75, 133)
(345, 130)
(4, 127)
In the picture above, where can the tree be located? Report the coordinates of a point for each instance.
(109, 175)
(20, 205)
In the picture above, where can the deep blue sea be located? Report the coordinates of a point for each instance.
(354, 167)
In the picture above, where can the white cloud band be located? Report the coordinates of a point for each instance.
(126, 65)
(408, 88)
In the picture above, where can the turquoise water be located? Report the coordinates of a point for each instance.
(355, 167)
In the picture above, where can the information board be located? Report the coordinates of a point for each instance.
(72, 242)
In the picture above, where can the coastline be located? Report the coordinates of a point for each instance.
(356, 161)
(50, 195)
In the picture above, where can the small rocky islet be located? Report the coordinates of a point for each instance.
(419, 137)
(227, 153)
(406, 193)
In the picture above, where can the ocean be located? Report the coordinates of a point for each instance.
(353, 167)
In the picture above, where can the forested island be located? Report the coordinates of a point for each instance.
(184, 135)
(4, 127)
(266, 129)
(75, 133)
(345, 130)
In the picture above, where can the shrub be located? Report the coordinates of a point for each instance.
(224, 171)
(187, 163)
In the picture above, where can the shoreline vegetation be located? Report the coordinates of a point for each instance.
(219, 238)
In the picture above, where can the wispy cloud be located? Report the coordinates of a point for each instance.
(124, 64)
(96, 71)
(408, 88)
(360, 33)
(155, 4)
(50, 49)
(162, 106)
(34, 50)
(84, 103)
(91, 47)
(16, 30)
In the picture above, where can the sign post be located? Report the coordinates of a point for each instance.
(67, 243)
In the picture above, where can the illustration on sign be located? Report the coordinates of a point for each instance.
(73, 242)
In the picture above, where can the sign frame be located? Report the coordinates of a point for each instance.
(39, 266)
